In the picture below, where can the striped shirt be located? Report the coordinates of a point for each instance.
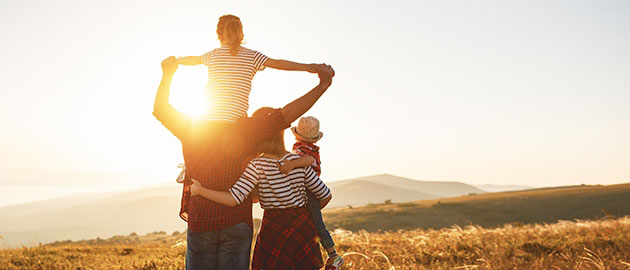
(277, 190)
(230, 81)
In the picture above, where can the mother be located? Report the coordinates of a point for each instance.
(287, 238)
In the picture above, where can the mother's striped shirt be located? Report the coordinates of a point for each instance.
(275, 189)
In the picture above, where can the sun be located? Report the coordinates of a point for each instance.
(189, 102)
(187, 91)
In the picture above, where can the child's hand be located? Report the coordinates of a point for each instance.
(326, 73)
(287, 166)
(314, 68)
(169, 65)
(195, 188)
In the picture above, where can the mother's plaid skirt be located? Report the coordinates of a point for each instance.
(287, 240)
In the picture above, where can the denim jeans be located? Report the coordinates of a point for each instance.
(225, 249)
(313, 206)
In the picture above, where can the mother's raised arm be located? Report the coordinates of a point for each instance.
(298, 107)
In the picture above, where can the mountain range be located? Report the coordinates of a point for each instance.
(378, 188)
(156, 208)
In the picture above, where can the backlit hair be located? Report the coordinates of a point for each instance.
(273, 144)
(230, 31)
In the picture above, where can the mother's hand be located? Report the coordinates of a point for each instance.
(195, 188)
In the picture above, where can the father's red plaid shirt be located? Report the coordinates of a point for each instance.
(216, 154)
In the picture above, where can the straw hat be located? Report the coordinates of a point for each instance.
(307, 130)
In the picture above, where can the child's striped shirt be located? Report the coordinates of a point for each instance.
(230, 81)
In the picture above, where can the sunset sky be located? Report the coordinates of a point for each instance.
(504, 92)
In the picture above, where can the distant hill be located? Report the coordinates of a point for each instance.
(361, 192)
(489, 210)
(153, 209)
(501, 188)
(377, 188)
(92, 215)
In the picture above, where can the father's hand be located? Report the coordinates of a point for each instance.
(169, 65)
(325, 74)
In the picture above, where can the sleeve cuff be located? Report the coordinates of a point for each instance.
(205, 59)
(238, 201)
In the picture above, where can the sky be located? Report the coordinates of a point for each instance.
(530, 93)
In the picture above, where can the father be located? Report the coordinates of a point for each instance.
(220, 237)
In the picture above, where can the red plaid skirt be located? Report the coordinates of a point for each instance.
(287, 240)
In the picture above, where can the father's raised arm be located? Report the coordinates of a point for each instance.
(173, 120)
(169, 66)
(298, 107)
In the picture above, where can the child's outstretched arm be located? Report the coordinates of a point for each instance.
(296, 163)
(189, 60)
(289, 65)
(222, 197)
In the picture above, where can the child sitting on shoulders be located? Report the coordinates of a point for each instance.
(231, 69)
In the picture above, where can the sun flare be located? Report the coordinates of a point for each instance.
(187, 91)
(190, 105)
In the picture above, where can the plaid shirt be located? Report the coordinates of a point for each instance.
(309, 149)
(216, 154)
(287, 240)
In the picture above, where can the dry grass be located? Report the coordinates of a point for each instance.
(602, 244)
(75, 257)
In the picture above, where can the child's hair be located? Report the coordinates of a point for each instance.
(230, 31)
(274, 144)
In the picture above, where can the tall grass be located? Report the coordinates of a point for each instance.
(603, 244)
(582, 244)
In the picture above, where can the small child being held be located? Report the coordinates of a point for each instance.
(306, 135)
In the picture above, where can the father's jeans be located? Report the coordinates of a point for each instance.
(225, 249)
(314, 207)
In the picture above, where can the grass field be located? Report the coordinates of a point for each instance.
(600, 244)
(487, 210)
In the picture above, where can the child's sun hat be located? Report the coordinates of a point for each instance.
(307, 130)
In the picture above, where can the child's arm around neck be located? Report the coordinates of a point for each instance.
(289, 165)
